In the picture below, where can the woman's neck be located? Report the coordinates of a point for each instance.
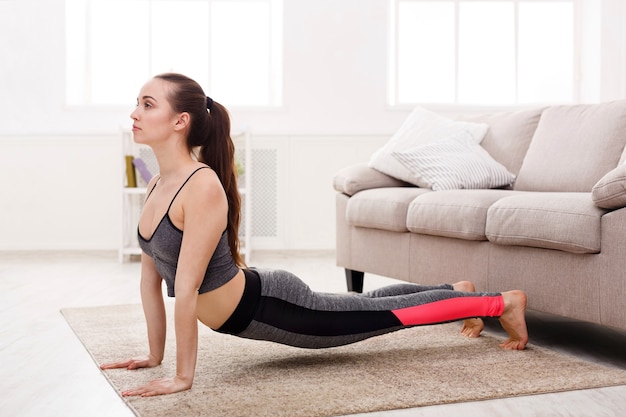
(172, 157)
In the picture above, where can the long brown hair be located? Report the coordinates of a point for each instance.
(210, 130)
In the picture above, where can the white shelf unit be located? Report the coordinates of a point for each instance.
(133, 197)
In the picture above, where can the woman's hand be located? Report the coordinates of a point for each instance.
(159, 387)
(135, 363)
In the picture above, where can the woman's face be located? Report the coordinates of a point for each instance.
(153, 118)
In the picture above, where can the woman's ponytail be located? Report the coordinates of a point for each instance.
(218, 152)
(210, 131)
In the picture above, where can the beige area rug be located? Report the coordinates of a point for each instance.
(410, 368)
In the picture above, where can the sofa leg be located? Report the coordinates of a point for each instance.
(354, 279)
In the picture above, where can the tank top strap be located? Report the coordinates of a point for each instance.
(181, 187)
(153, 187)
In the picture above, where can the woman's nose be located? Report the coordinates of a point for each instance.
(133, 115)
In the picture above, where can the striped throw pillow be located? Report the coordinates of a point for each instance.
(457, 162)
(421, 127)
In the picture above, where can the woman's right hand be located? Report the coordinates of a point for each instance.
(134, 363)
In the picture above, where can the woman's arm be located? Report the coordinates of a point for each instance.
(205, 211)
(154, 311)
(153, 308)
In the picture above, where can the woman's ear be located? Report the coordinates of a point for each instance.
(182, 122)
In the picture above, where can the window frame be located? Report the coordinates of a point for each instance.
(275, 82)
(392, 88)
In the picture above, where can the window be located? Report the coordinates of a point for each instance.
(481, 52)
(232, 48)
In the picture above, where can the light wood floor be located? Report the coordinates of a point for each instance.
(45, 371)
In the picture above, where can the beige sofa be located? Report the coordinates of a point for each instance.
(558, 232)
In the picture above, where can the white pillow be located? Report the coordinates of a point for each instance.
(454, 163)
(420, 128)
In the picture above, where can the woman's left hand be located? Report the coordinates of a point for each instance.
(159, 387)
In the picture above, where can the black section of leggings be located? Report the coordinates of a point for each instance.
(301, 320)
(247, 307)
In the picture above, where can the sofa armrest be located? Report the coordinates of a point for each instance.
(610, 191)
(355, 178)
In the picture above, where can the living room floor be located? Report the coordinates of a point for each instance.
(45, 370)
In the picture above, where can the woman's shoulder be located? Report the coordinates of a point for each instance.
(203, 191)
(151, 185)
(203, 180)
(204, 174)
(153, 181)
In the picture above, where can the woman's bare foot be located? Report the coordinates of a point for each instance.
(471, 327)
(513, 320)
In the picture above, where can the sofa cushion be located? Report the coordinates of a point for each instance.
(573, 147)
(420, 128)
(509, 135)
(564, 221)
(454, 164)
(460, 214)
(382, 208)
(610, 191)
(355, 178)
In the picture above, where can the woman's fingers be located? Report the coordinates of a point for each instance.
(115, 365)
(135, 364)
(153, 388)
(130, 364)
(159, 387)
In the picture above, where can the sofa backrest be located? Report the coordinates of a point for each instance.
(509, 135)
(573, 147)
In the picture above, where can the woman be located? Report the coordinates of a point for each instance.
(196, 193)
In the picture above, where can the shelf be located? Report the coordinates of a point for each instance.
(131, 251)
(134, 190)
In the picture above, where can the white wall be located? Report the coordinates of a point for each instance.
(60, 167)
(60, 192)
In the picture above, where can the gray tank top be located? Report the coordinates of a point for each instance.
(164, 248)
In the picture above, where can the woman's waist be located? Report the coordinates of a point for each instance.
(247, 306)
(216, 306)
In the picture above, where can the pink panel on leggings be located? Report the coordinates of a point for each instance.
(450, 310)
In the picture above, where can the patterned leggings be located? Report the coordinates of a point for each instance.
(277, 306)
